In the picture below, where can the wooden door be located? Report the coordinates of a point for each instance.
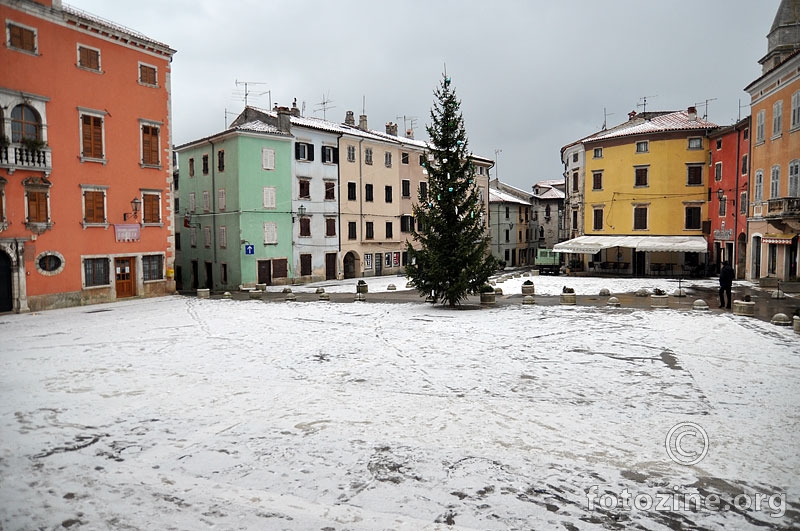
(264, 272)
(330, 266)
(125, 277)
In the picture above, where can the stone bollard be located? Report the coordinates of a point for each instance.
(700, 305)
(747, 308)
(255, 294)
(779, 294)
(360, 297)
(642, 292)
(227, 295)
(410, 285)
(203, 293)
(324, 296)
(290, 297)
(781, 319)
(528, 299)
(680, 292)
(604, 292)
(391, 287)
(613, 302)
(498, 291)
(796, 324)
(286, 290)
(320, 290)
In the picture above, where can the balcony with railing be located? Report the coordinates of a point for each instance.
(783, 207)
(19, 156)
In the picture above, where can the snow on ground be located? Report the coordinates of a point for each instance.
(182, 413)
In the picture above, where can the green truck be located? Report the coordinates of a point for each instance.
(547, 261)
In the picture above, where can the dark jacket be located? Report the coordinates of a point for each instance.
(726, 276)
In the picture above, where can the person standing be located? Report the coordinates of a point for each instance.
(725, 283)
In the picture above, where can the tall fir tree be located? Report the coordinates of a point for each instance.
(453, 259)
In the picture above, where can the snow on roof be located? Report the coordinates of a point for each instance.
(497, 196)
(550, 193)
(258, 126)
(113, 26)
(654, 123)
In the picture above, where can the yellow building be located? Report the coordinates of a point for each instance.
(646, 195)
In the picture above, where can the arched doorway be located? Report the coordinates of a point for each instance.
(351, 264)
(755, 272)
(6, 294)
(741, 260)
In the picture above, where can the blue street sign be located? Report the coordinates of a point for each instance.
(249, 249)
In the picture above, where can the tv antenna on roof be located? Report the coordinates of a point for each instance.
(643, 102)
(408, 120)
(605, 119)
(324, 105)
(705, 106)
(247, 91)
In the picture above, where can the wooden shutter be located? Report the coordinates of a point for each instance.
(151, 209)
(22, 38)
(89, 58)
(297, 151)
(310, 151)
(37, 207)
(280, 268)
(92, 136)
(150, 146)
(336, 155)
(147, 75)
(330, 227)
(94, 207)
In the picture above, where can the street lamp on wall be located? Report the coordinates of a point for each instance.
(136, 203)
(301, 211)
(721, 196)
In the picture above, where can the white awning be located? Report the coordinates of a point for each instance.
(594, 244)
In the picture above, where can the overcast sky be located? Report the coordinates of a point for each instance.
(532, 75)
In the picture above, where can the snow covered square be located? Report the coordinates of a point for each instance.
(181, 413)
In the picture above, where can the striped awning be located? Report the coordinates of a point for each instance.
(779, 239)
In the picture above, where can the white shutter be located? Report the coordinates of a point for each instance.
(206, 201)
(221, 199)
(269, 197)
(270, 233)
(193, 237)
(268, 158)
(192, 202)
(207, 236)
(223, 237)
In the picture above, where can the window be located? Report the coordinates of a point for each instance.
(422, 160)
(206, 201)
(177, 240)
(370, 231)
(205, 164)
(775, 182)
(692, 218)
(351, 230)
(50, 263)
(744, 164)
(148, 75)
(330, 155)
(92, 136)
(95, 272)
(21, 37)
(575, 182)
(758, 187)
(153, 267)
(508, 212)
(191, 167)
(330, 190)
(304, 151)
(642, 146)
(151, 208)
(723, 206)
(305, 227)
(192, 202)
(37, 199)
(574, 157)
(207, 236)
(743, 203)
(221, 199)
(718, 171)
(777, 118)
(150, 145)
(223, 273)
(94, 206)
(388, 194)
(221, 160)
(694, 174)
(598, 219)
(387, 159)
(405, 187)
(351, 191)
(597, 181)
(508, 235)
(406, 223)
(267, 159)
(696, 142)
(25, 124)
(330, 227)
(88, 58)
(389, 230)
(269, 197)
(367, 192)
(641, 176)
(222, 236)
(270, 234)
(368, 156)
(193, 236)
(598, 154)
(423, 189)
(575, 218)
(305, 189)
(403, 158)
(351, 153)
(719, 144)
(795, 110)
(305, 265)
(280, 268)
(760, 119)
(794, 178)
(640, 218)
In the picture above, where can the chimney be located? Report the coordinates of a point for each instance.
(410, 134)
(631, 115)
(692, 112)
(391, 129)
(349, 120)
(295, 110)
(362, 122)
(284, 119)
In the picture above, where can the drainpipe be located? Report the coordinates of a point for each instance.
(339, 205)
(736, 205)
(361, 206)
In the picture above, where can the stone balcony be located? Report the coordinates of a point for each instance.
(17, 156)
(783, 207)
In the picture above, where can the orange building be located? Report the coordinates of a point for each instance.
(85, 160)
